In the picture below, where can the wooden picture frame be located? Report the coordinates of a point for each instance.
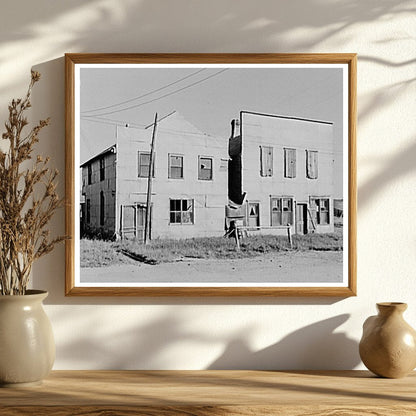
(310, 83)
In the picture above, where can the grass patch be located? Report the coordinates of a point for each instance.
(100, 253)
(97, 253)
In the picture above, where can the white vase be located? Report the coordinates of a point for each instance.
(27, 347)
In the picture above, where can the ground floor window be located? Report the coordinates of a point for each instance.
(102, 208)
(254, 214)
(181, 211)
(88, 211)
(320, 210)
(282, 211)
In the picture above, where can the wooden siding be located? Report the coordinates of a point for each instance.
(93, 191)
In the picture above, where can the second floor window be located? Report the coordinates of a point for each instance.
(89, 174)
(290, 163)
(205, 168)
(102, 169)
(266, 161)
(312, 164)
(175, 167)
(144, 164)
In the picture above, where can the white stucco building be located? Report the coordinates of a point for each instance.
(189, 183)
(281, 173)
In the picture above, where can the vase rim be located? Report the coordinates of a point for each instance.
(30, 293)
(401, 306)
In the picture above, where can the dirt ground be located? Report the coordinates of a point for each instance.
(282, 267)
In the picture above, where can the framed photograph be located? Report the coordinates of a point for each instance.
(211, 174)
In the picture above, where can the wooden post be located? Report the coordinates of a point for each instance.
(149, 185)
(289, 235)
(237, 237)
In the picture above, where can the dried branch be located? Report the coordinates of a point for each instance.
(23, 218)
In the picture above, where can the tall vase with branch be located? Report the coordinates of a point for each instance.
(28, 198)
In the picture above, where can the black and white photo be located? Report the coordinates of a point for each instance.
(211, 175)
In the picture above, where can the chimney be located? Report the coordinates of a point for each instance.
(235, 128)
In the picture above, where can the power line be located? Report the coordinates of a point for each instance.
(109, 121)
(163, 96)
(144, 95)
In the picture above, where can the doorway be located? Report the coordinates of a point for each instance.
(133, 219)
(301, 219)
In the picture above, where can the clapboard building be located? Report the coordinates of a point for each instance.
(189, 183)
(281, 174)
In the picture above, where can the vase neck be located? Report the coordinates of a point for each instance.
(390, 308)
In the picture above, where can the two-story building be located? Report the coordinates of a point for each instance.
(189, 183)
(281, 173)
(273, 173)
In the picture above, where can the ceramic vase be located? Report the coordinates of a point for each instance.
(388, 345)
(27, 347)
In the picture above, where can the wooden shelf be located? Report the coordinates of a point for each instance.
(202, 393)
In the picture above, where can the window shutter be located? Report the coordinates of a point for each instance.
(290, 163)
(269, 161)
(266, 161)
(262, 162)
(312, 164)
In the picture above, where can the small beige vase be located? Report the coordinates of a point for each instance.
(27, 347)
(388, 345)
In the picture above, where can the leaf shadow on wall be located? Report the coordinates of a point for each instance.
(138, 26)
(316, 346)
(241, 27)
(151, 345)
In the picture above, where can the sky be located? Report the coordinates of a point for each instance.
(208, 97)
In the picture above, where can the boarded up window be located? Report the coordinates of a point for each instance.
(175, 167)
(290, 163)
(89, 173)
(181, 211)
(102, 169)
(266, 161)
(312, 164)
(88, 211)
(282, 211)
(320, 210)
(144, 164)
(205, 168)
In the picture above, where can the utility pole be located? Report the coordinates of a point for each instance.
(149, 184)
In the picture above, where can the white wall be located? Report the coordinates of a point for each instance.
(198, 333)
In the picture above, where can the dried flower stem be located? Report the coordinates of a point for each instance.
(23, 218)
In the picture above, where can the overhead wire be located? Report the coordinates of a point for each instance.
(143, 95)
(162, 96)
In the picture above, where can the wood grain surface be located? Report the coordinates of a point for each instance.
(203, 393)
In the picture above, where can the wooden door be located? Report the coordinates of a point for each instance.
(301, 219)
(133, 218)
